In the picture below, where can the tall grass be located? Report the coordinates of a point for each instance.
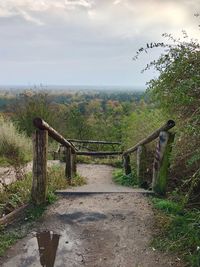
(15, 147)
(179, 230)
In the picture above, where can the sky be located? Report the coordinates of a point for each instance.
(86, 42)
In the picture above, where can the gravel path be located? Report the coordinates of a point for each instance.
(102, 230)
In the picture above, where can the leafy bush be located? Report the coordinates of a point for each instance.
(15, 147)
(127, 180)
(176, 91)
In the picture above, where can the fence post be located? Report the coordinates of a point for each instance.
(74, 166)
(39, 183)
(161, 162)
(68, 167)
(127, 165)
(141, 164)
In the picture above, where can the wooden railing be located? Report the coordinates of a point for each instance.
(161, 159)
(40, 151)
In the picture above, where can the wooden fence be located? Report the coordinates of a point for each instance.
(40, 151)
(161, 159)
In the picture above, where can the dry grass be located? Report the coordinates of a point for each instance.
(15, 147)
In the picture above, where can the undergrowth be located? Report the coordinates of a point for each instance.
(19, 192)
(178, 230)
(127, 180)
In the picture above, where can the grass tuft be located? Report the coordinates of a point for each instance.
(126, 180)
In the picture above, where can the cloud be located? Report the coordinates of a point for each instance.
(99, 35)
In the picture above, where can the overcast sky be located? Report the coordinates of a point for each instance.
(86, 42)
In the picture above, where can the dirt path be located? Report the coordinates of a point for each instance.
(102, 230)
(99, 180)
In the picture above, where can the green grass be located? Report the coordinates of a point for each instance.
(179, 231)
(4, 161)
(8, 238)
(126, 180)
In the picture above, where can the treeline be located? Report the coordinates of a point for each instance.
(81, 115)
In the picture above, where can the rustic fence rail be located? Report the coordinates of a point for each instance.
(161, 159)
(40, 152)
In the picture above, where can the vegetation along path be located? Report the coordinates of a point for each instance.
(107, 229)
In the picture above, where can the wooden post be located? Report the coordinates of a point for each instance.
(161, 162)
(141, 164)
(68, 168)
(127, 165)
(74, 162)
(39, 184)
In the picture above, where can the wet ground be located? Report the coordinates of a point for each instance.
(102, 230)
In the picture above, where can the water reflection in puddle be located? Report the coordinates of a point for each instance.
(48, 245)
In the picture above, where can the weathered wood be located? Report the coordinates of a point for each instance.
(14, 215)
(127, 165)
(170, 124)
(74, 164)
(42, 125)
(141, 164)
(39, 184)
(94, 142)
(99, 153)
(68, 167)
(162, 162)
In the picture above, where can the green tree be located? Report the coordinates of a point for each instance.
(30, 105)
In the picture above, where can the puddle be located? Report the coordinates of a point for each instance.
(47, 249)
(47, 245)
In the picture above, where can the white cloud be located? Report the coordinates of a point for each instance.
(97, 32)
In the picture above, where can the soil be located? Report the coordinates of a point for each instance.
(103, 230)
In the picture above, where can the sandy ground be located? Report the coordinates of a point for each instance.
(102, 230)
